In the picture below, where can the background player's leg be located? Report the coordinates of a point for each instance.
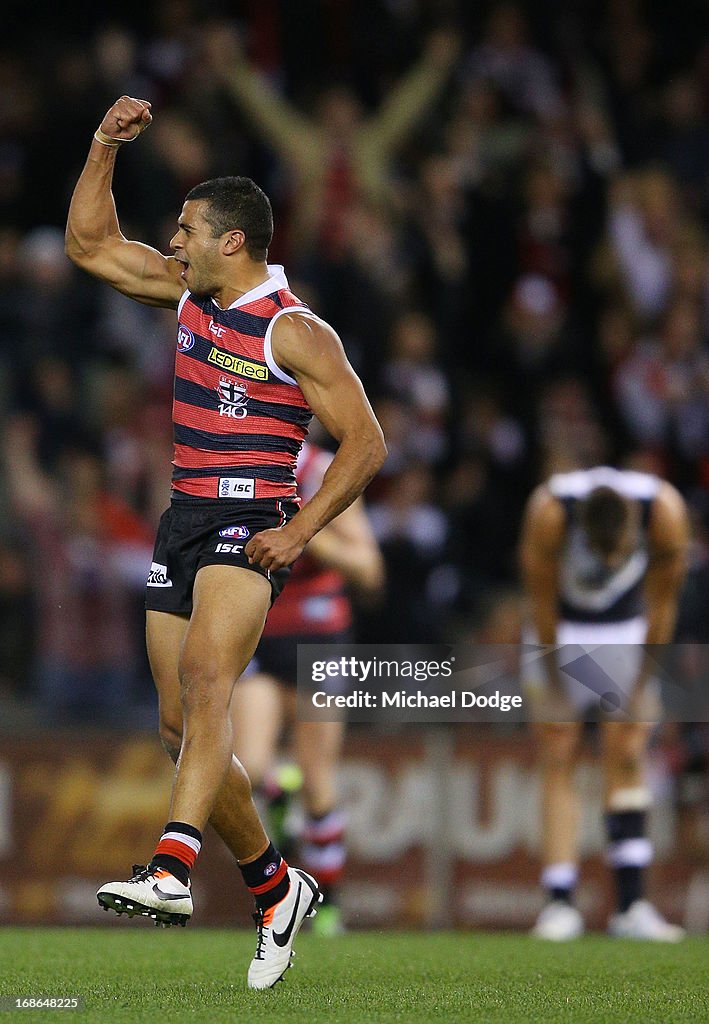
(257, 720)
(627, 801)
(234, 816)
(318, 747)
(557, 746)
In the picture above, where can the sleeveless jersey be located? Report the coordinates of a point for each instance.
(315, 601)
(590, 590)
(239, 420)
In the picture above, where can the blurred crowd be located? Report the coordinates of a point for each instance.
(503, 208)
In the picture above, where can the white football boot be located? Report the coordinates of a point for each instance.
(277, 928)
(643, 921)
(149, 893)
(558, 922)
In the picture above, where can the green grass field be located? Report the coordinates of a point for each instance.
(138, 973)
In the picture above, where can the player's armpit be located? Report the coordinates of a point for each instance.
(135, 269)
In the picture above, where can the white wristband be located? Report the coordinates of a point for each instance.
(109, 141)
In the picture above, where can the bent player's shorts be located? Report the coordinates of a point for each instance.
(193, 534)
(277, 656)
(599, 664)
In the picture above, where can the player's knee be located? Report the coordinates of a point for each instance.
(625, 760)
(557, 748)
(242, 778)
(203, 690)
(625, 748)
(171, 738)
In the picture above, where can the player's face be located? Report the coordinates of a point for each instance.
(197, 249)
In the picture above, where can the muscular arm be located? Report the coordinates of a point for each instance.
(410, 99)
(540, 551)
(541, 546)
(668, 541)
(292, 135)
(94, 240)
(309, 349)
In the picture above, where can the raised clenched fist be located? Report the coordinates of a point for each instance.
(126, 119)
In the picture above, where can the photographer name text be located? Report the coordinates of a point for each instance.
(416, 699)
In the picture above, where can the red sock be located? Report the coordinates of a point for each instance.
(177, 850)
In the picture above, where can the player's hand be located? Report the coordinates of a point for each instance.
(126, 119)
(273, 549)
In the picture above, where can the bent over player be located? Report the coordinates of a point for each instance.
(603, 558)
(252, 365)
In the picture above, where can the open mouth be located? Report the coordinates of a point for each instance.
(184, 264)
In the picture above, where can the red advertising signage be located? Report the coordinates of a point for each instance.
(443, 831)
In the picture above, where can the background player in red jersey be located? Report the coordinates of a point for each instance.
(315, 608)
(248, 372)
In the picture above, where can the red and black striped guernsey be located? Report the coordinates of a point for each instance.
(239, 419)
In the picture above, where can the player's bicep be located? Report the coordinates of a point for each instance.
(541, 540)
(669, 528)
(137, 270)
(313, 354)
(668, 536)
(340, 402)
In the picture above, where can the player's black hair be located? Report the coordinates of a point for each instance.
(238, 202)
(604, 516)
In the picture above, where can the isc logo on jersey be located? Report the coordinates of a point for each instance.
(235, 531)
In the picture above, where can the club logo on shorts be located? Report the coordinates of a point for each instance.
(185, 339)
(234, 531)
(157, 577)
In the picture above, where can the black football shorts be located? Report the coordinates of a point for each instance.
(277, 656)
(196, 533)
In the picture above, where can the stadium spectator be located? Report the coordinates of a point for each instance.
(414, 376)
(341, 156)
(90, 554)
(522, 73)
(412, 532)
(662, 386)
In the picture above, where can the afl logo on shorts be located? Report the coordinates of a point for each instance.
(234, 531)
(185, 339)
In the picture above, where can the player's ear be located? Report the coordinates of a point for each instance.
(233, 241)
